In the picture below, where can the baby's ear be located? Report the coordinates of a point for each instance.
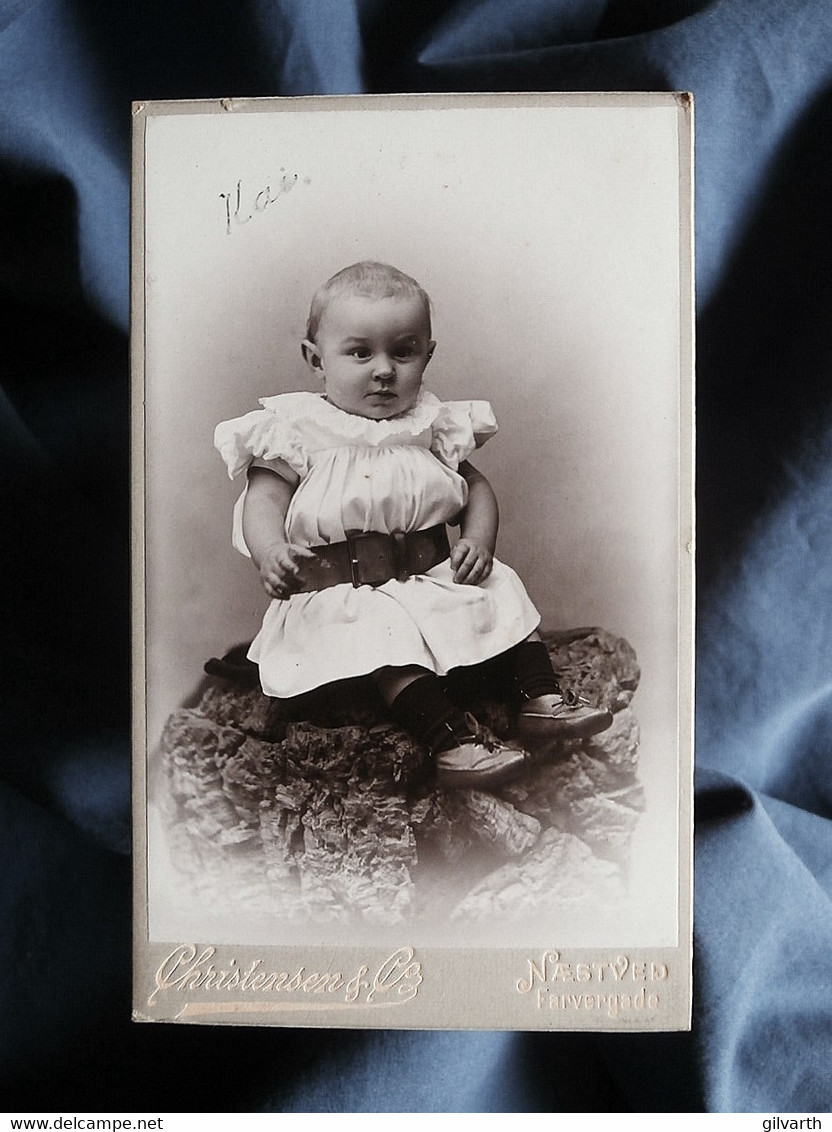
(311, 355)
(431, 348)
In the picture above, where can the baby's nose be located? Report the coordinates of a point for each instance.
(383, 367)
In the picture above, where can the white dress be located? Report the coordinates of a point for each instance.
(353, 473)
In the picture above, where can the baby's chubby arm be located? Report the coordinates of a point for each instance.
(264, 529)
(473, 555)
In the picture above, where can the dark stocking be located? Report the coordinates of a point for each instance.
(425, 712)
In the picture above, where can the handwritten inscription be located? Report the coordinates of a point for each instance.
(553, 979)
(187, 969)
(241, 205)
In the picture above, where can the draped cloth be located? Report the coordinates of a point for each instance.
(760, 71)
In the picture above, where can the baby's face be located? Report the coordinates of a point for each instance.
(371, 354)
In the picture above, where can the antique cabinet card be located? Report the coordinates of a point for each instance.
(301, 859)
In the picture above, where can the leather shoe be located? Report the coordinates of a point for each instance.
(479, 760)
(560, 716)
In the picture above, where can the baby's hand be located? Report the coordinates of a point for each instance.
(471, 562)
(280, 569)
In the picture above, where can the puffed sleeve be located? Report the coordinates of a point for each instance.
(262, 438)
(459, 428)
(266, 438)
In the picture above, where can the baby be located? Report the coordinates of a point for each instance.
(344, 513)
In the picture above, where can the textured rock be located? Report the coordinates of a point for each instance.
(557, 873)
(591, 791)
(324, 810)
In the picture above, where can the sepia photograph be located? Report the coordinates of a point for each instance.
(413, 560)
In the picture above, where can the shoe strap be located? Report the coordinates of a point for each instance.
(475, 732)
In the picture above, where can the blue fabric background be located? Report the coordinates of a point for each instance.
(761, 72)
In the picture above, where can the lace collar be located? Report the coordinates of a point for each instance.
(314, 406)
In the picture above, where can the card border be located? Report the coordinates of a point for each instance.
(414, 983)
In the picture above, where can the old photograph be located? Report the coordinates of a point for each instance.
(413, 582)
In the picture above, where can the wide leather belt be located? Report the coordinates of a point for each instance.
(371, 558)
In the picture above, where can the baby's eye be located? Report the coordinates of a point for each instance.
(405, 352)
(360, 352)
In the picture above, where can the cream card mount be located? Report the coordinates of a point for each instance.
(300, 859)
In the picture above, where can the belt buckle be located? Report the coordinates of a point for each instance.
(374, 557)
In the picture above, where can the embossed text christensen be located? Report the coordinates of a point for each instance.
(187, 969)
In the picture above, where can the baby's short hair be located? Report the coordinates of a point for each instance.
(375, 280)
